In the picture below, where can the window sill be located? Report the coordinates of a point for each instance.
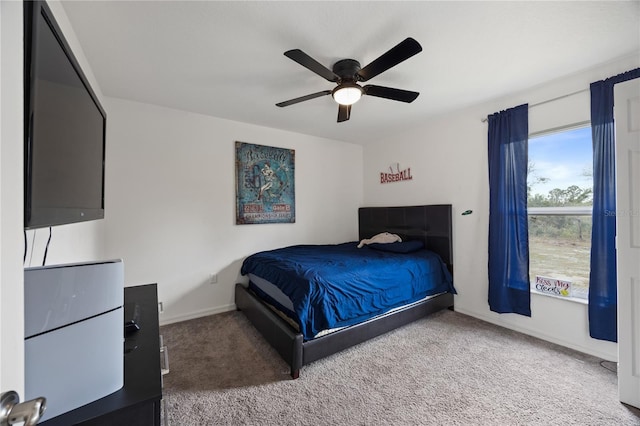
(568, 299)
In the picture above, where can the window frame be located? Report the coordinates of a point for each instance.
(560, 211)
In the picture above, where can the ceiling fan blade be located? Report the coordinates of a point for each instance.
(308, 62)
(390, 93)
(401, 52)
(303, 98)
(344, 112)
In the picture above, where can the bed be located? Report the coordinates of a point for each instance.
(300, 343)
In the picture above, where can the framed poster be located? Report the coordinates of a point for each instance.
(265, 190)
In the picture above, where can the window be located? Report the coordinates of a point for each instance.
(560, 198)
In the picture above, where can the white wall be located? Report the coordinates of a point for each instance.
(448, 160)
(171, 201)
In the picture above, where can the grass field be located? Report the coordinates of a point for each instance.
(566, 259)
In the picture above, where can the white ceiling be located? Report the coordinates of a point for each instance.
(225, 59)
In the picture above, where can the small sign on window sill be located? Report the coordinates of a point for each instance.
(553, 286)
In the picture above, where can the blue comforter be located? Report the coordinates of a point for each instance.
(339, 285)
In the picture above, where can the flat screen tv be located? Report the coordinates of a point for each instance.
(65, 129)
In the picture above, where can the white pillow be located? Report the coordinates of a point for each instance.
(382, 238)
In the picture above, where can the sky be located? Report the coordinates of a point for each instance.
(563, 158)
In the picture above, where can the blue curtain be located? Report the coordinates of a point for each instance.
(508, 227)
(603, 292)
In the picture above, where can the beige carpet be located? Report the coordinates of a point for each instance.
(448, 369)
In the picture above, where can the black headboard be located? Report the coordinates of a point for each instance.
(431, 224)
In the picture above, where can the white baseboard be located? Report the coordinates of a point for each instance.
(580, 348)
(165, 320)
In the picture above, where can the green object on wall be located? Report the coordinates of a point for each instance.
(467, 212)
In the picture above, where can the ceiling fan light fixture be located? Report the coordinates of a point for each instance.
(347, 93)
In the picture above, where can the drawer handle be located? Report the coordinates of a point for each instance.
(165, 358)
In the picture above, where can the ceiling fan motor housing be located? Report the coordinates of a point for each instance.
(347, 70)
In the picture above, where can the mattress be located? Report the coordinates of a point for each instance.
(324, 287)
(280, 303)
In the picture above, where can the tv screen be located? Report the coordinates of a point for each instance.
(64, 129)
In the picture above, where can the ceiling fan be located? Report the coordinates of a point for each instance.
(347, 73)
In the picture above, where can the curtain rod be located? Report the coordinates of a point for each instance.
(484, 120)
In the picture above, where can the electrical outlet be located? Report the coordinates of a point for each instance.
(213, 278)
(160, 307)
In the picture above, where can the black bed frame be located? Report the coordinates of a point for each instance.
(430, 224)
